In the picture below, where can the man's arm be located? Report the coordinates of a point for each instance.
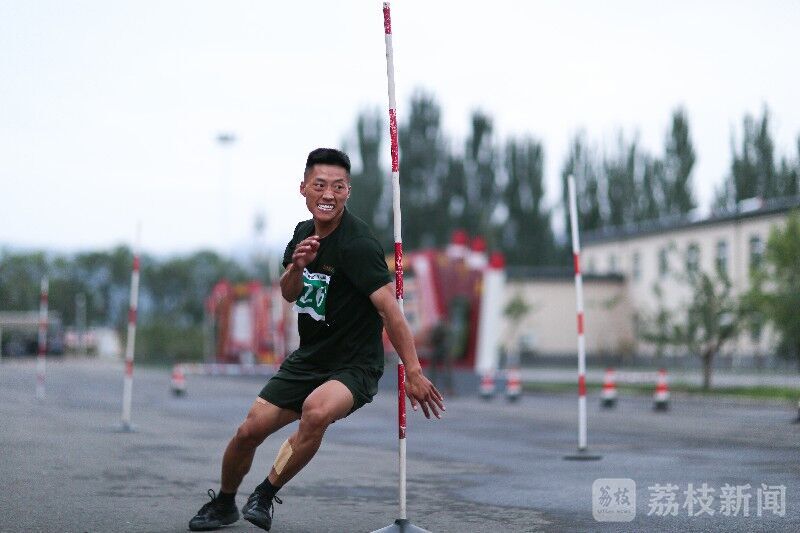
(292, 278)
(418, 388)
(291, 283)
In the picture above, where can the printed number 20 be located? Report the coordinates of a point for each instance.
(307, 290)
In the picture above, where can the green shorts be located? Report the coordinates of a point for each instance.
(290, 387)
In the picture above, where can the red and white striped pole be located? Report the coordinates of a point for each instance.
(127, 391)
(401, 524)
(576, 253)
(398, 247)
(41, 360)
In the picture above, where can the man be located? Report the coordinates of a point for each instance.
(337, 277)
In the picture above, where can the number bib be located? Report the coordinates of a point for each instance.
(314, 295)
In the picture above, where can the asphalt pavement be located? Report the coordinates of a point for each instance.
(485, 467)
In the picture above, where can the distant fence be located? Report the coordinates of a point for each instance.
(686, 362)
(223, 369)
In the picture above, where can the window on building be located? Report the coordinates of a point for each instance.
(692, 258)
(756, 252)
(590, 265)
(663, 262)
(722, 256)
(636, 266)
(612, 263)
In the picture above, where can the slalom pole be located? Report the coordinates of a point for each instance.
(401, 524)
(41, 360)
(576, 253)
(127, 391)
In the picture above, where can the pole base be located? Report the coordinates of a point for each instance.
(125, 427)
(661, 406)
(582, 455)
(401, 525)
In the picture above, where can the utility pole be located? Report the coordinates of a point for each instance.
(225, 140)
(80, 322)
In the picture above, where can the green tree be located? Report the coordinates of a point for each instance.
(679, 159)
(64, 287)
(753, 172)
(650, 189)
(526, 235)
(480, 173)
(703, 325)
(744, 167)
(710, 320)
(171, 294)
(765, 160)
(106, 277)
(775, 292)
(92, 273)
(423, 170)
(621, 188)
(789, 175)
(515, 311)
(454, 202)
(582, 163)
(20, 278)
(656, 329)
(368, 183)
(175, 289)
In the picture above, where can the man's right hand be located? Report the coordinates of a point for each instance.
(305, 252)
(292, 279)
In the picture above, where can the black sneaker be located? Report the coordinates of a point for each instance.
(259, 509)
(214, 515)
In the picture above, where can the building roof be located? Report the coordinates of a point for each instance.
(752, 208)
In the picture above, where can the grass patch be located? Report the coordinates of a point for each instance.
(764, 392)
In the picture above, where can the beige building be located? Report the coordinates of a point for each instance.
(622, 266)
(660, 254)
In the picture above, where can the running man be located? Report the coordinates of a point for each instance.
(337, 277)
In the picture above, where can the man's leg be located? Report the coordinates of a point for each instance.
(262, 420)
(327, 403)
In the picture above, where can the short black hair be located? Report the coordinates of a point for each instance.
(328, 156)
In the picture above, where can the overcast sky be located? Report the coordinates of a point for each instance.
(109, 111)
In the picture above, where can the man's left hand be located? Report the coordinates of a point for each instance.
(422, 393)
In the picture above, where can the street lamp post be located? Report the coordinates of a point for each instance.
(225, 140)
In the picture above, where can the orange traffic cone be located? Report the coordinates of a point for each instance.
(487, 385)
(513, 384)
(661, 396)
(178, 381)
(608, 396)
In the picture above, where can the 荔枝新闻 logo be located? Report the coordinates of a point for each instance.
(614, 500)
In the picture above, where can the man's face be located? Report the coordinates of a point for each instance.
(326, 189)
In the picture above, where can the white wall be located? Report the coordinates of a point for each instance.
(551, 322)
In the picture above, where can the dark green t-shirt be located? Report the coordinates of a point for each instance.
(339, 327)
